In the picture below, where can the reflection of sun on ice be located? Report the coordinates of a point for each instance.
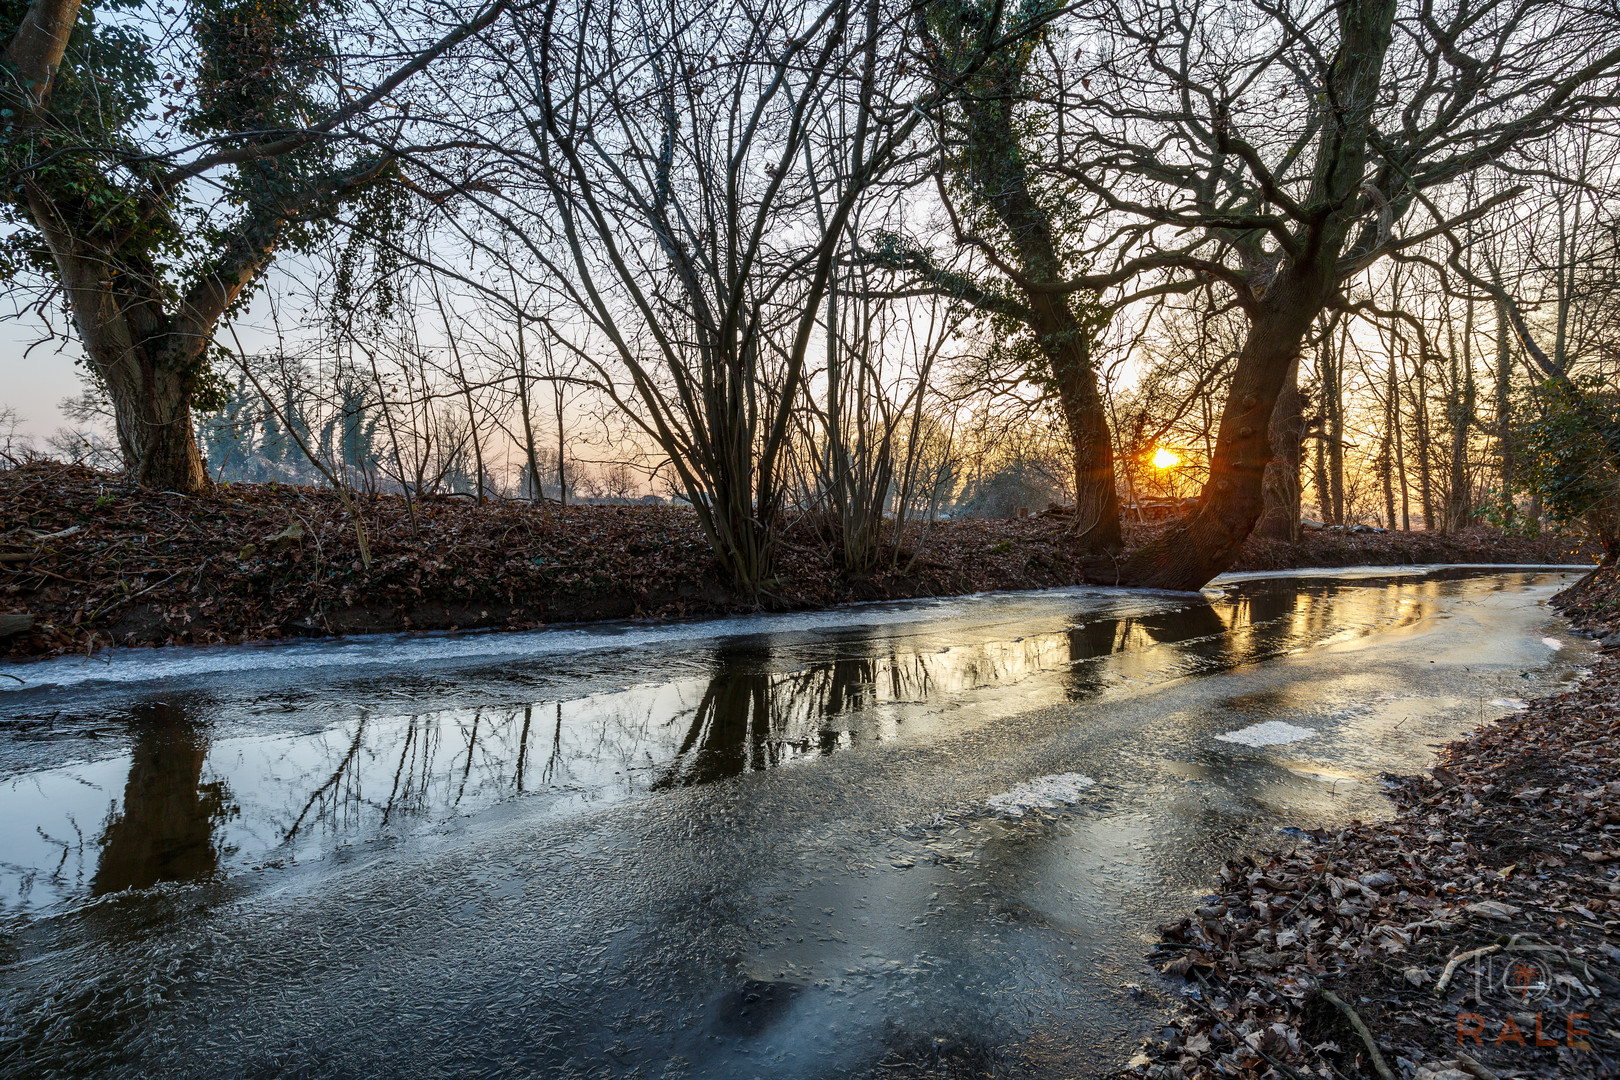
(1165, 458)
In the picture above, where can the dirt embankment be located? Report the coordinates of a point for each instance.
(1476, 935)
(97, 562)
(1478, 545)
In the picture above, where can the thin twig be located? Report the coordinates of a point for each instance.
(1361, 1029)
(1456, 961)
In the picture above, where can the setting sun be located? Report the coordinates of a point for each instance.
(1165, 458)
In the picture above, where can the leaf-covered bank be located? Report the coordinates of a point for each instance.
(96, 561)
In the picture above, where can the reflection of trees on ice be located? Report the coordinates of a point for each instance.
(192, 798)
(165, 831)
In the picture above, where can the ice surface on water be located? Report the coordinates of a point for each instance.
(399, 650)
(395, 650)
(1348, 572)
(1409, 570)
(1270, 733)
(1061, 790)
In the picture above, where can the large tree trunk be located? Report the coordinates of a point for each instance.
(1280, 486)
(1280, 311)
(1000, 178)
(148, 361)
(145, 336)
(151, 350)
(151, 392)
(1206, 542)
(1068, 350)
(152, 403)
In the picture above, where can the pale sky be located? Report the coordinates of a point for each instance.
(35, 384)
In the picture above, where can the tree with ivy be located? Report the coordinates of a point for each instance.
(1565, 457)
(155, 165)
(1025, 225)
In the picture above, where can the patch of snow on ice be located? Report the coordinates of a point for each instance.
(1044, 791)
(1509, 703)
(1270, 733)
(1552, 643)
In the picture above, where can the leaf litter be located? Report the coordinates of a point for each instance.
(97, 561)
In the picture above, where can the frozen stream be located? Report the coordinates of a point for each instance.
(937, 833)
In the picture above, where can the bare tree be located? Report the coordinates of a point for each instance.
(1290, 143)
(684, 151)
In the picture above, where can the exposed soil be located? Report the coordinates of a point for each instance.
(1510, 845)
(96, 561)
(1476, 545)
